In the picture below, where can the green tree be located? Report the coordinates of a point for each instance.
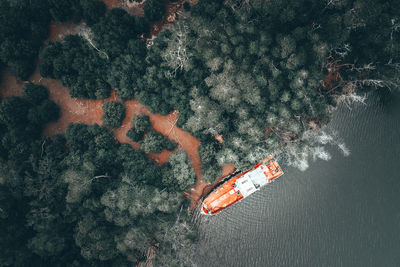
(127, 68)
(154, 142)
(154, 10)
(13, 112)
(117, 31)
(92, 10)
(78, 66)
(179, 174)
(113, 114)
(134, 135)
(141, 123)
(34, 93)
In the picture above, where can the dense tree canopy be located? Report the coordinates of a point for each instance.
(78, 66)
(108, 54)
(21, 38)
(178, 173)
(264, 76)
(34, 93)
(141, 124)
(154, 9)
(154, 142)
(113, 114)
(114, 31)
(259, 75)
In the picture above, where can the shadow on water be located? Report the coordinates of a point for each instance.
(387, 99)
(342, 212)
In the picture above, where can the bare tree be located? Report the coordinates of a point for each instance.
(87, 34)
(341, 51)
(177, 54)
(239, 5)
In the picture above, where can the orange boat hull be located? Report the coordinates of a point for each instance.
(241, 186)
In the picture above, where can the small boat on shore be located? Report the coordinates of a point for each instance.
(241, 186)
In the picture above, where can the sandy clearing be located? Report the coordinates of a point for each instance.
(113, 3)
(75, 110)
(58, 30)
(202, 188)
(135, 8)
(90, 112)
(9, 85)
(173, 10)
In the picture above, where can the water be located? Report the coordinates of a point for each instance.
(343, 212)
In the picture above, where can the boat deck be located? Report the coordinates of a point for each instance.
(241, 186)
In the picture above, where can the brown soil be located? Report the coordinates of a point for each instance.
(90, 111)
(58, 30)
(202, 188)
(9, 85)
(112, 3)
(134, 8)
(171, 15)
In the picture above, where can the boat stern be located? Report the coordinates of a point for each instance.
(204, 210)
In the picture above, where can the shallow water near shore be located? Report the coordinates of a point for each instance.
(341, 212)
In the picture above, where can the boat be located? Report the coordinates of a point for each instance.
(240, 186)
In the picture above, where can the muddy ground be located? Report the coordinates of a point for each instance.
(90, 111)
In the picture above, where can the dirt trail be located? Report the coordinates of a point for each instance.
(112, 3)
(9, 85)
(90, 111)
(202, 188)
(134, 8)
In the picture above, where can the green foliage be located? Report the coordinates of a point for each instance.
(78, 66)
(49, 111)
(249, 71)
(13, 112)
(113, 114)
(13, 232)
(79, 183)
(34, 93)
(179, 175)
(137, 167)
(92, 10)
(134, 135)
(141, 123)
(63, 10)
(154, 10)
(88, 10)
(110, 56)
(179, 240)
(187, 6)
(128, 203)
(116, 31)
(20, 39)
(127, 68)
(207, 153)
(95, 239)
(154, 142)
(162, 90)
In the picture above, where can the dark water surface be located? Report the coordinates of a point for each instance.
(343, 212)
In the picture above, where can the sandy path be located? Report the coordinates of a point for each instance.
(9, 85)
(75, 110)
(135, 8)
(112, 3)
(90, 112)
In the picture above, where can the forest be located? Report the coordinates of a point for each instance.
(263, 76)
